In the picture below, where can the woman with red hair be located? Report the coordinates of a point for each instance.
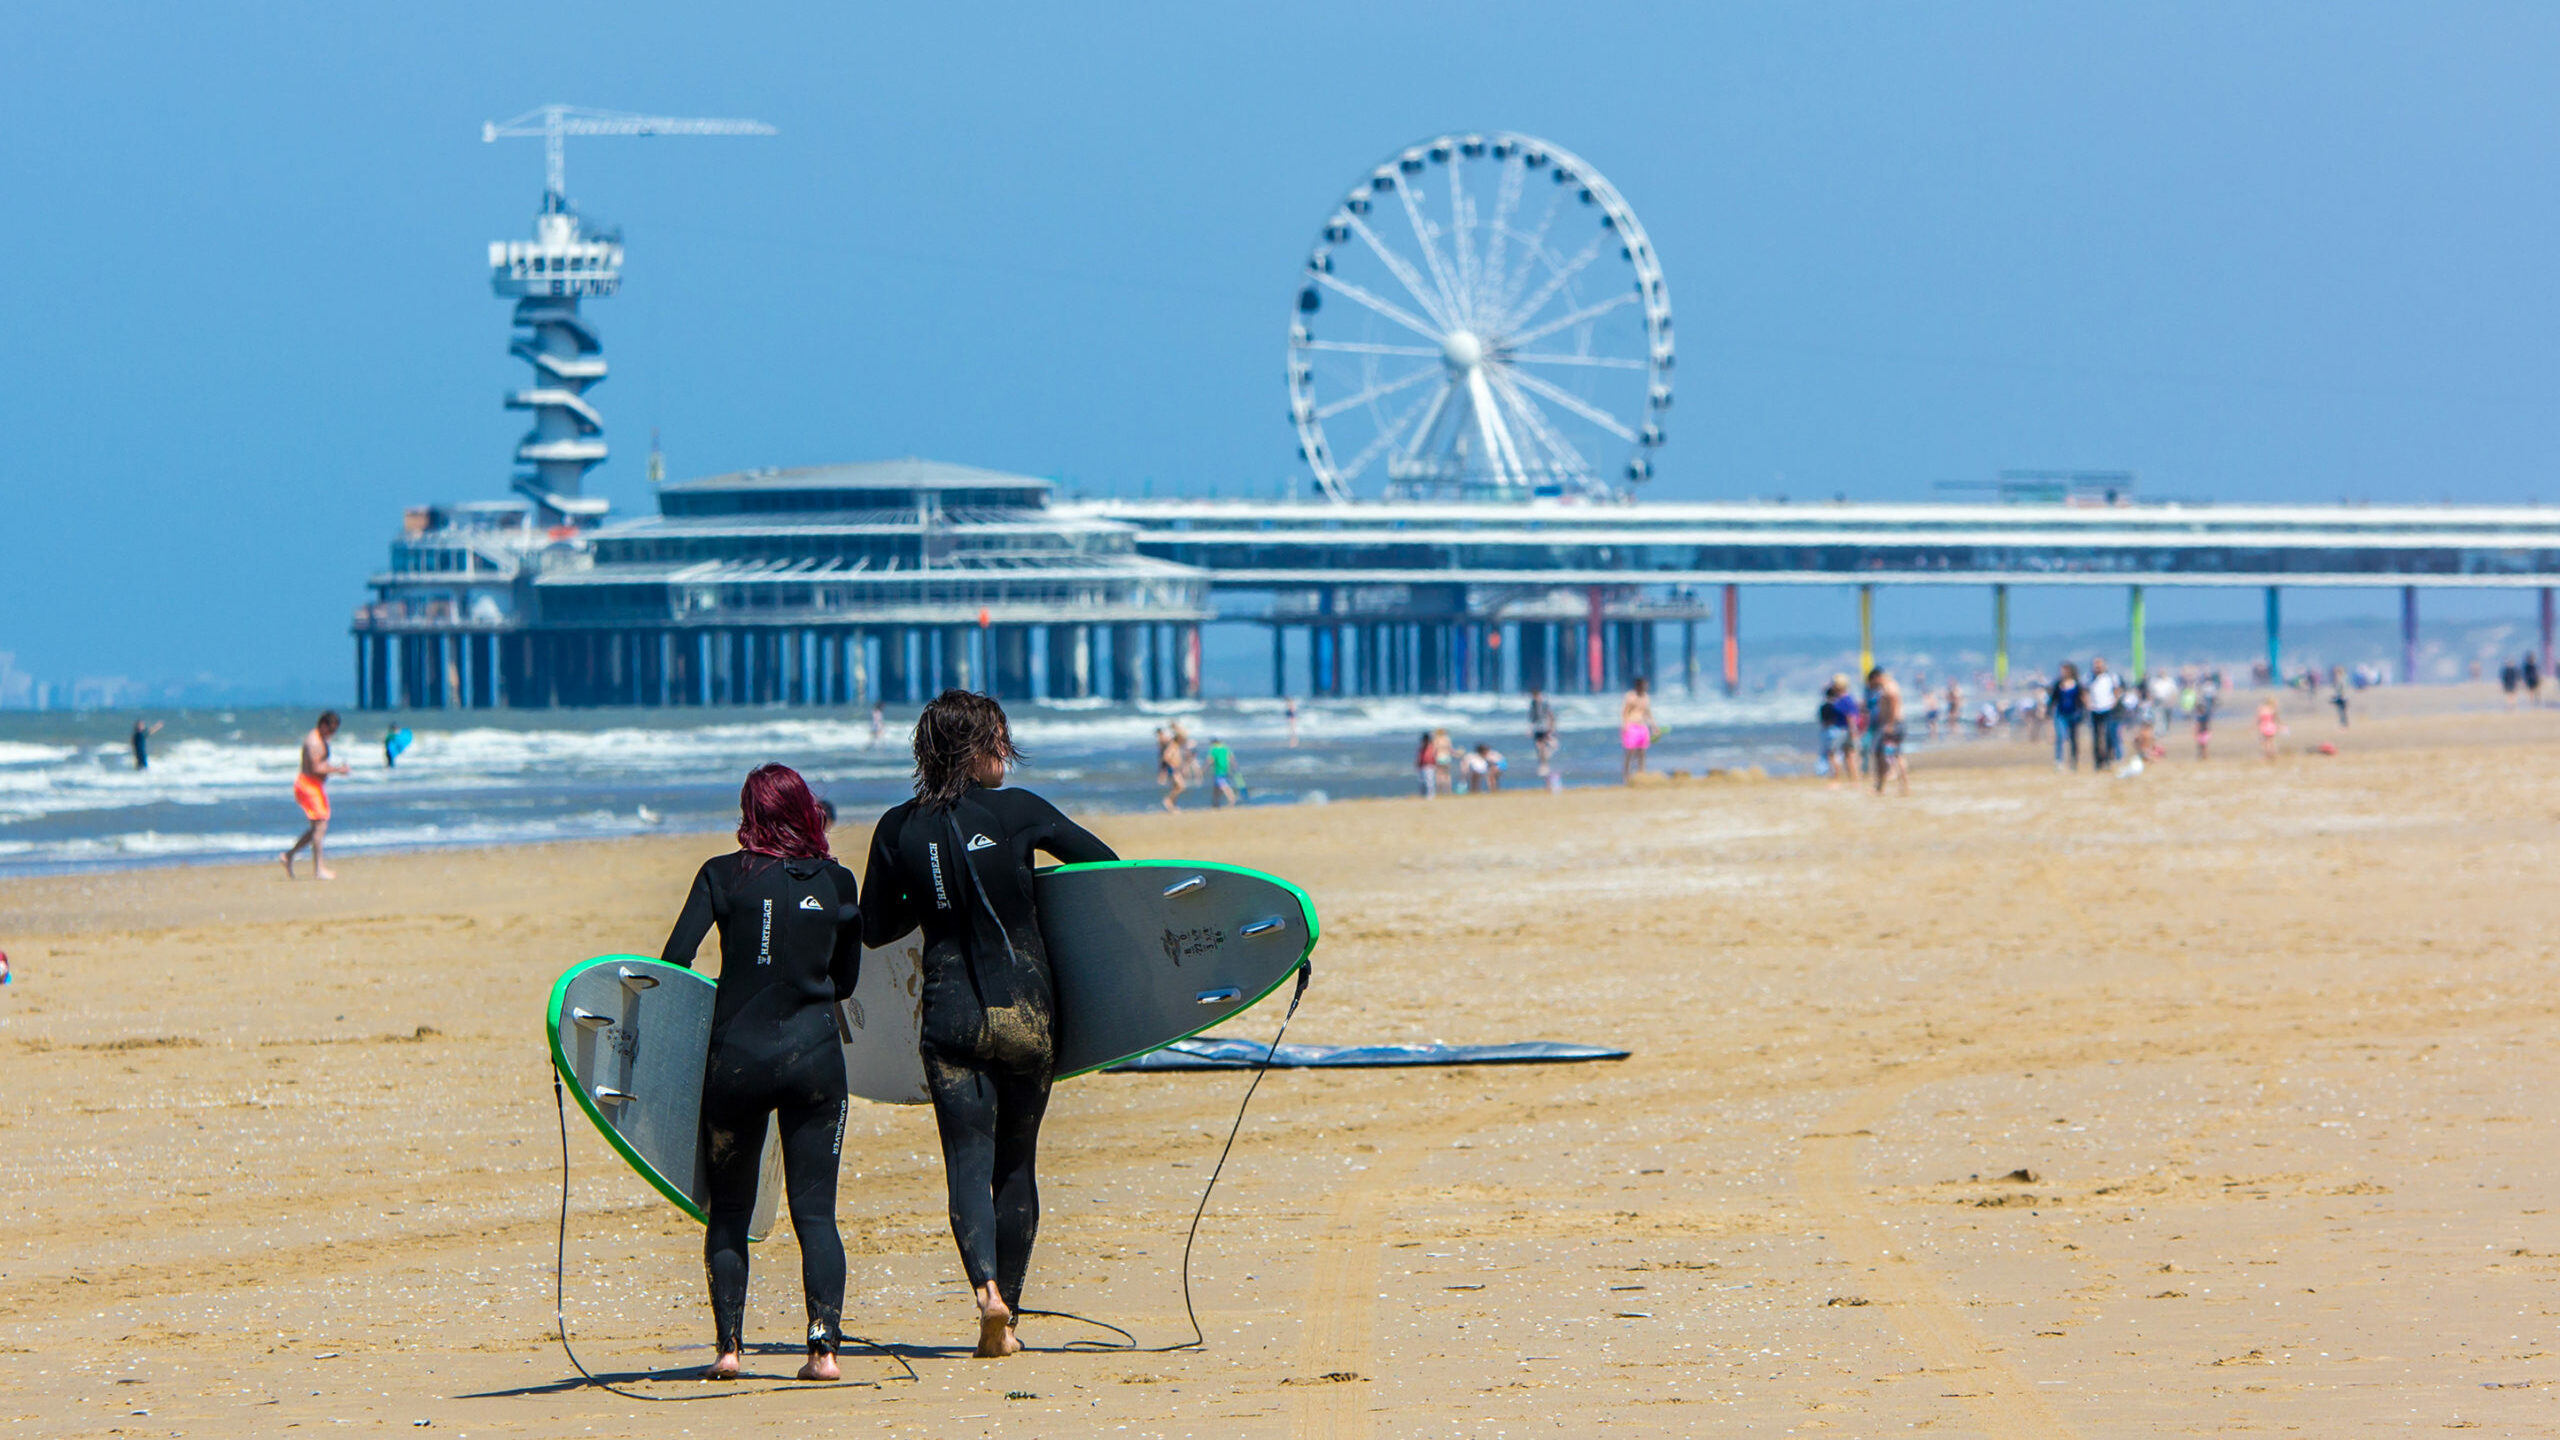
(790, 944)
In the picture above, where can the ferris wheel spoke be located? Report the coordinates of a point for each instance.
(1500, 450)
(1563, 276)
(1534, 245)
(1388, 435)
(1398, 266)
(1449, 303)
(1368, 347)
(1603, 362)
(1461, 227)
(1561, 454)
(1384, 387)
(1574, 403)
(1389, 309)
(1591, 311)
(1506, 203)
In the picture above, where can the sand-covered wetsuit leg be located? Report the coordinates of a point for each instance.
(806, 1090)
(990, 1124)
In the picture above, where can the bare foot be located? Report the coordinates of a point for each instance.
(724, 1368)
(821, 1366)
(995, 1326)
(287, 857)
(324, 873)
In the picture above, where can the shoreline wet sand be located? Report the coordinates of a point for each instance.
(2029, 1105)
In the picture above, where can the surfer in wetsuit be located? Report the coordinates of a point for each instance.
(956, 860)
(790, 945)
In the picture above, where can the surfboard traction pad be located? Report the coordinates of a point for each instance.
(648, 1041)
(1119, 946)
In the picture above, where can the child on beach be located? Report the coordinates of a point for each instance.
(1222, 774)
(1635, 730)
(2268, 728)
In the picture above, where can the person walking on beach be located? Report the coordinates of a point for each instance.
(2508, 677)
(956, 861)
(2269, 727)
(2105, 695)
(311, 792)
(1222, 774)
(142, 733)
(1173, 765)
(2531, 673)
(1887, 762)
(1444, 763)
(2066, 701)
(1542, 736)
(2206, 694)
(1835, 730)
(790, 950)
(2338, 694)
(879, 722)
(1635, 730)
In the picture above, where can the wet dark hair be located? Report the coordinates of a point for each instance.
(956, 731)
(777, 816)
(328, 721)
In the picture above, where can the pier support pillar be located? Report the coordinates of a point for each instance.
(2408, 634)
(1321, 660)
(2000, 636)
(1732, 618)
(1279, 661)
(2275, 636)
(2545, 629)
(1689, 657)
(364, 687)
(1125, 665)
(957, 672)
(481, 670)
(1866, 630)
(1012, 645)
(2136, 643)
(897, 677)
(1595, 644)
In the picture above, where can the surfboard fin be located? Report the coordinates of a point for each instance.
(588, 1019)
(1263, 927)
(636, 980)
(1186, 885)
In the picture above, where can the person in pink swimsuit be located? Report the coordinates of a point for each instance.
(1635, 730)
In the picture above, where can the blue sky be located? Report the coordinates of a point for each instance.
(2291, 252)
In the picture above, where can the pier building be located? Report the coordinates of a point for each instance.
(830, 584)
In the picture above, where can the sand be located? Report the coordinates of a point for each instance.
(2032, 1105)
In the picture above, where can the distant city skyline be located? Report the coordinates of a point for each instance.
(2285, 253)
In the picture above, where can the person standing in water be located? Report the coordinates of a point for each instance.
(142, 733)
(1635, 730)
(1290, 710)
(956, 861)
(1542, 736)
(879, 722)
(790, 949)
(1888, 762)
(311, 792)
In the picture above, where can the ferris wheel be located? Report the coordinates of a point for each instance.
(1470, 327)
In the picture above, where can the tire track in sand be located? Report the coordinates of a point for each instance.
(1933, 1328)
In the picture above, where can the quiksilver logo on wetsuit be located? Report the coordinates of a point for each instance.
(981, 842)
(810, 902)
(764, 943)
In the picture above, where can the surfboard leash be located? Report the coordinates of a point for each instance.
(559, 1302)
(1306, 972)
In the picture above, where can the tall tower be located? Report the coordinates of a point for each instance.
(547, 276)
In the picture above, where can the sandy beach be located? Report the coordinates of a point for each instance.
(2217, 1100)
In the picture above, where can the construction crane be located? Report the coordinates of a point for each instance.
(554, 124)
(546, 277)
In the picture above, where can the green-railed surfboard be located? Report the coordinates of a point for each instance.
(1145, 952)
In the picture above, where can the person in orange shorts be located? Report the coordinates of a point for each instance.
(311, 792)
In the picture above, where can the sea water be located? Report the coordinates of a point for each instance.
(220, 781)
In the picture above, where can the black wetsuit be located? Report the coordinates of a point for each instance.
(790, 943)
(990, 1010)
